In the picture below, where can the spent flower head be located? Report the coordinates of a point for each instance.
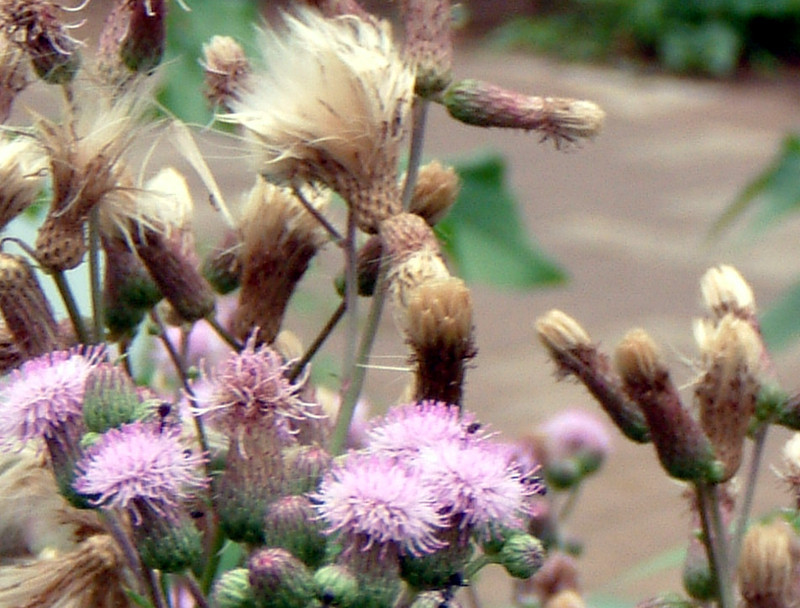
(380, 500)
(45, 392)
(331, 107)
(140, 462)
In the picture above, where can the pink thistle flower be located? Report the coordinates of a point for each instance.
(251, 387)
(407, 429)
(140, 463)
(575, 434)
(478, 483)
(381, 501)
(45, 393)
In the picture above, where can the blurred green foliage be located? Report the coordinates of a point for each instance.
(712, 37)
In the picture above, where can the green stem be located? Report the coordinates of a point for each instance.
(95, 280)
(71, 305)
(326, 331)
(406, 597)
(420, 115)
(197, 593)
(223, 333)
(472, 568)
(714, 537)
(759, 441)
(350, 398)
(215, 554)
(569, 503)
(350, 302)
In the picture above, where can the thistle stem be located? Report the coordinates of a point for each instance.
(94, 275)
(329, 228)
(419, 119)
(353, 390)
(569, 503)
(71, 305)
(472, 568)
(214, 555)
(350, 301)
(326, 331)
(714, 540)
(197, 592)
(224, 334)
(759, 441)
(181, 371)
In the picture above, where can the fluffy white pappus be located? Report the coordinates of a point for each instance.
(334, 97)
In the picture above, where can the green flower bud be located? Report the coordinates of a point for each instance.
(110, 399)
(233, 590)
(522, 555)
(291, 524)
(336, 585)
(280, 580)
(165, 544)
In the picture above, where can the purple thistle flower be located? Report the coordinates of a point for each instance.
(44, 393)
(407, 429)
(140, 462)
(577, 432)
(250, 387)
(381, 499)
(478, 483)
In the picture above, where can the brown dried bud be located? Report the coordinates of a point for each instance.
(279, 239)
(683, 450)
(21, 173)
(25, 308)
(726, 394)
(482, 104)
(766, 566)
(574, 354)
(429, 44)
(435, 192)
(133, 38)
(10, 355)
(226, 69)
(439, 331)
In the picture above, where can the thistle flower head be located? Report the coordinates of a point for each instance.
(251, 386)
(408, 429)
(577, 434)
(345, 130)
(139, 462)
(477, 482)
(226, 70)
(767, 564)
(724, 290)
(45, 392)
(382, 501)
(21, 171)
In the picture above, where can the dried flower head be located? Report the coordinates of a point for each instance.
(483, 104)
(345, 131)
(227, 71)
(435, 192)
(726, 393)
(21, 175)
(93, 574)
(45, 392)
(13, 74)
(140, 463)
(560, 333)
(725, 291)
(767, 566)
(375, 501)
(279, 239)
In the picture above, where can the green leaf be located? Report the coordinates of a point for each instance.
(776, 190)
(780, 324)
(187, 31)
(484, 234)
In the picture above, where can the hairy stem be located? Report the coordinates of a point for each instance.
(95, 281)
(420, 116)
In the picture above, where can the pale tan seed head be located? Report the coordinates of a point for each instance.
(560, 333)
(435, 192)
(766, 566)
(724, 290)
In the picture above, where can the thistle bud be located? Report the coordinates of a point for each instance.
(558, 573)
(573, 352)
(438, 328)
(487, 105)
(233, 590)
(435, 192)
(133, 39)
(222, 268)
(726, 394)
(110, 399)
(226, 70)
(25, 308)
(280, 580)
(53, 53)
(725, 291)
(279, 240)
(436, 599)
(522, 555)
(429, 44)
(336, 585)
(169, 544)
(306, 465)
(699, 580)
(766, 567)
(683, 450)
(291, 523)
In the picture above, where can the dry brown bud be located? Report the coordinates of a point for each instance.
(683, 450)
(726, 393)
(439, 331)
(226, 69)
(279, 239)
(766, 566)
(435, 192)
(487, 105)
(561, 333)
(725, 291)
(25, 308)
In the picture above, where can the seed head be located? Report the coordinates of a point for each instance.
(767, 565)
(725, 291)
(435, 192)
(22, 168)
(346, 130)
(227, 71)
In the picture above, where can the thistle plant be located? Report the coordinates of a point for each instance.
(223, 476)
